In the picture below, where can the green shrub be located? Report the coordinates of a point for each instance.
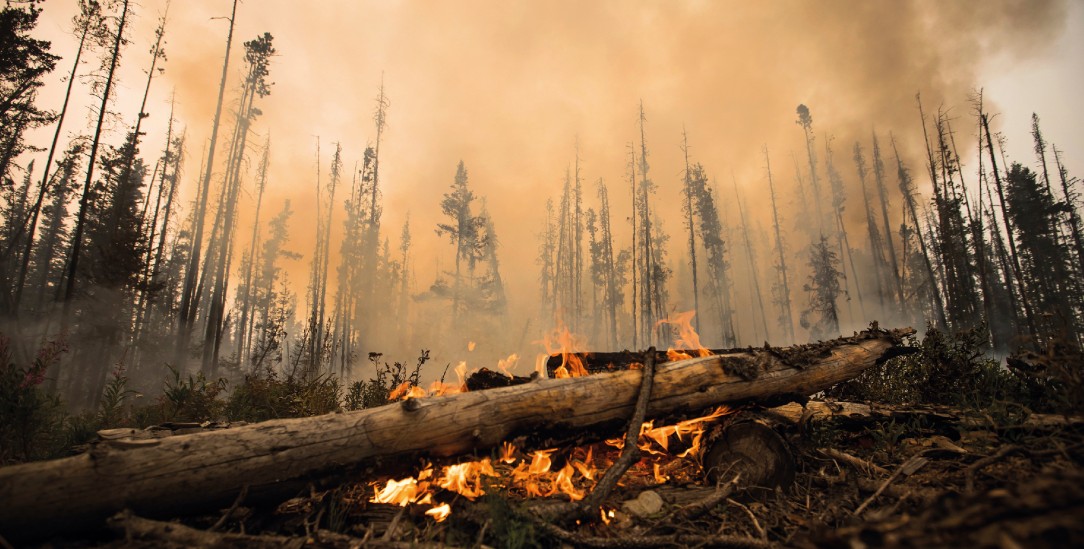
(31, 420)
(194, 398)
(372, 393)
(269, 395)
(949, 369)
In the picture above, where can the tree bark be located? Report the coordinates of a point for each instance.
(187, 473)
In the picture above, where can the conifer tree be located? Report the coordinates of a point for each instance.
(1046, 269)
(466, 232)
(86, 197)
(822, 316)
(781, 288)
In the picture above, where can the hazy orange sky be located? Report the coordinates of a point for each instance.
(509, 87)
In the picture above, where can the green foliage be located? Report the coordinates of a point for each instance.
(1053, 381)
(822, 317)
(950, 369)
(116, 393)
(191, 399)
(368, 394)
(30, 418)
(261, 397)
(509, 529)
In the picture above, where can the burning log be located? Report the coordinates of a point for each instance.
(206, 471)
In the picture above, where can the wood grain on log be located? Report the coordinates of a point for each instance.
(190, 473)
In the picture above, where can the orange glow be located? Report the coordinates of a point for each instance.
(540, 462)
(560, 341)
(506, 364)
(535, 478)
(687, 338)
(563, 484)
(465, 479)
(471, 345)
(401, 492)
(586, 467)
(607, 515)
(440, 512)
(659, 477)
(508, 453)
(461, 373)
(405, 390)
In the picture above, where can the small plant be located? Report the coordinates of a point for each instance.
(30, 418)
(267, 395)
(355, 397)
(116, 393)
(509, 528)
(194, 398)
(375, 392)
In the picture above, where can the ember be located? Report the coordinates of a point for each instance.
(534, 478)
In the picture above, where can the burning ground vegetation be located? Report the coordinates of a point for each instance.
(901, 455)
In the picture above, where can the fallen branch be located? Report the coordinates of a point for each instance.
(908, 467)
(630, 454)
(859, 463)
(698, 508)
(638, 542)
(174, 534)
(1002, 453)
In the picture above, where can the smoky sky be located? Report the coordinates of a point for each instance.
(511, 88)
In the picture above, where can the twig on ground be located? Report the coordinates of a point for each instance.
(1002, 453)
(229, 512)
(394, 525)
(908, 467)
(176, 534)
(482, 534)
(756, 524)
(697, 508)
(854, 461)
(638, 542)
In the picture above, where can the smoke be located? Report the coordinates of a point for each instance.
(509, 87)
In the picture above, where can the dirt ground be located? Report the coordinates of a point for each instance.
(848, 476)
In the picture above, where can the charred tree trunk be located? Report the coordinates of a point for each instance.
(1029, 318)
(84, 199)
(87, 21)
(189, 294)
(688, 191)
(785, 317)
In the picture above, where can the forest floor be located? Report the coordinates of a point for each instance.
(878, 476)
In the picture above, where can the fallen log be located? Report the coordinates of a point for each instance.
(205, 471)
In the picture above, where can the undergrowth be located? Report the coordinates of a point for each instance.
(947, 369)
(34, 423)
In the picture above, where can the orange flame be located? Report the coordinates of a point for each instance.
(440, 512)
(687, 338)
(563, 483)
(405, 390)
(659, 477)
(465, 479)
(607, 516)
(563, 342)
(402, 492)
(536, 477)
(508, 453)
(506, 364)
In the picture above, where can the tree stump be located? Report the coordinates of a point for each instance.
(753, 450)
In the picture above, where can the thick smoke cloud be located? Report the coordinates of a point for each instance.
(509, 87)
